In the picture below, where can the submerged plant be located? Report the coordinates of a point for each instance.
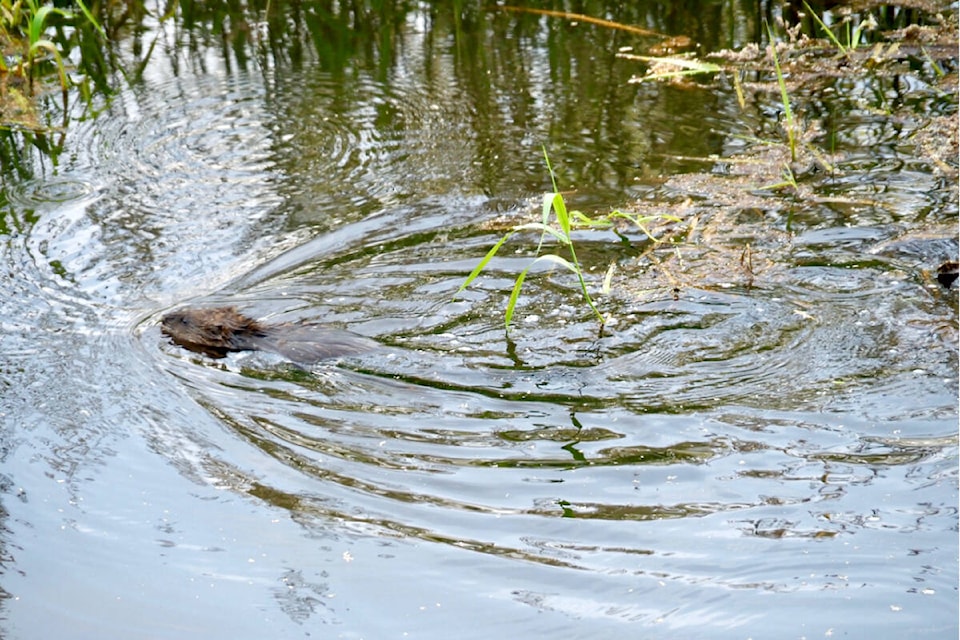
(558, 222)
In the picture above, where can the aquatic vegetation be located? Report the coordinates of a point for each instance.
(558, 222)
(789, 123)
(671, 67)
(23, 27)
(854, 34)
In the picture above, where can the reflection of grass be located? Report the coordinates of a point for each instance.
(558, 222)
(579, 17)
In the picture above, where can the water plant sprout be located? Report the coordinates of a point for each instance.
(557, 222)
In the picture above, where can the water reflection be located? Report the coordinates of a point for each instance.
(747, 425)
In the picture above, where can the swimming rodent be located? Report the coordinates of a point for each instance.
(219, 330)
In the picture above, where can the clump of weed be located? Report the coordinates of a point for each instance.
(558, 222)
(23, 26)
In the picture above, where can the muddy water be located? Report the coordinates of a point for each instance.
(761, 444)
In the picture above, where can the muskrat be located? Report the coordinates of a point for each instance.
(219, 330)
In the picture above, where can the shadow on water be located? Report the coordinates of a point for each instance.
(773, 405)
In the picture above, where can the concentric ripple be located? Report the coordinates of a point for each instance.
(448, 436)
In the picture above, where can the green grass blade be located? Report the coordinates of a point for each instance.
(512, 303)
(39, 19)
(560, 208)
(544, 229)
(47, 45)
(557, 260)
(580, 219)
(788, 113)
(483, 263)
(553, 177)
(826, 29)
(638, 220)
(641, 222)
(518, 284)
(933, 63)
(89, 16)
(546, 208)
(36, 23)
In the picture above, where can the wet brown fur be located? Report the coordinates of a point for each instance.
(214, 331)
(219, 330)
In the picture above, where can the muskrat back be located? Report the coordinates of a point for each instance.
(219, 330)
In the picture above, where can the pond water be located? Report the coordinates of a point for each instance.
(762, 443)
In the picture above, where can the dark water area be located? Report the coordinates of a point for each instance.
(762, 443)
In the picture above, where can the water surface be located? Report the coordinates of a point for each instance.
(762, 443)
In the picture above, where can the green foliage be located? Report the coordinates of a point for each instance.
(559, 223)
(23, 26)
